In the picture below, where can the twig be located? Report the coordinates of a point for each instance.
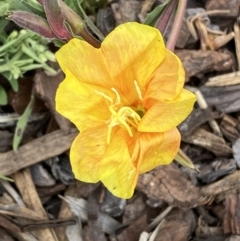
(203, 105)
(40, 149)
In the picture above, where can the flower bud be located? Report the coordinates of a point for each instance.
(33, 22)
(71, 18)
(76, 25)
(55, 19)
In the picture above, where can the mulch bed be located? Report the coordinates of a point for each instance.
(171, 203)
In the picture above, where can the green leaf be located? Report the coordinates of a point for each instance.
(6, 178)
(152, 17)
(16, 5)
(89, 22)
(3, 96)
(13, 81)
(72, 4)
(34, 7)
(58, 43)
(3, 24)
(22, 123)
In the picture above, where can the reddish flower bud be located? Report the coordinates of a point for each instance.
(76, 24)
(33, 22)
(55, 19)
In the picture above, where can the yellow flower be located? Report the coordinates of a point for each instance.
(126, 98)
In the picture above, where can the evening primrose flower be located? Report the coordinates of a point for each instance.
(126, 98)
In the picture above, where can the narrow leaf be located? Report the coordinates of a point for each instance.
(6, 178)
(16, 5)
(3, 24)
(22, 123)
(3, 96)
(13, 81)
(90, 23)
(34, 7)
(153, 16)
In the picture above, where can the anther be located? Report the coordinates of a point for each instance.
(125, 117)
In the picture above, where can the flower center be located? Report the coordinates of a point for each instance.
(124, 116)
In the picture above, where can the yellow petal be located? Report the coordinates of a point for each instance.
(112, 66)
(163, 116)
(157, 149)
(132, 52)
(167, 80)
(116, 171)
(86, 153)
(81, 104)
(84, 62)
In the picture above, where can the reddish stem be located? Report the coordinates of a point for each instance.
(166, 16)
(173, 36)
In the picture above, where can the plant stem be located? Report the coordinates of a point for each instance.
(172, 39)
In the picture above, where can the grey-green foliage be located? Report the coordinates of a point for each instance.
(89, 22)
(20, 5)
(23, 51)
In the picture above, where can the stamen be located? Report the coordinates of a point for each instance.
(132, 123)
(118, 96)
(136, 117)
(139, 92)
(118, 119)
(105, 96)
(125, 117)
(124, 123)
(125, 111)
(129, 112)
